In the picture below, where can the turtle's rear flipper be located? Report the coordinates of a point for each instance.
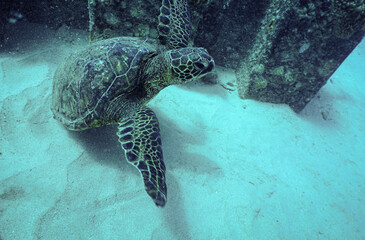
(140, 138)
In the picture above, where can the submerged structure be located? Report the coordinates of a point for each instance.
(298, 47)
(283, 51)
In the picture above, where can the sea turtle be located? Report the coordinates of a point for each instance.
(112, 80)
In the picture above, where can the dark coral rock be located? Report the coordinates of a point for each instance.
(52, 13)
(299, 46)
(228, 29)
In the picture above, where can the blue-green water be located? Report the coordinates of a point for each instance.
(236, 169)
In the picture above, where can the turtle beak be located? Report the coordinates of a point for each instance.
(209, 67)
(205, 66)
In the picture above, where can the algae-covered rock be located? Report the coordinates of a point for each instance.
(299, 55)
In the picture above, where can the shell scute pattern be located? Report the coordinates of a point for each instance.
(93, 77)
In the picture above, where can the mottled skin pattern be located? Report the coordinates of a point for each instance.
(111, 81)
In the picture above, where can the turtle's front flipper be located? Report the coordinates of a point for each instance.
(140, 138)
(174, 24)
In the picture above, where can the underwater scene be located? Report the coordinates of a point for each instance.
(182, 119)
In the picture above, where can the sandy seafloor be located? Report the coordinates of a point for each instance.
(236, 169)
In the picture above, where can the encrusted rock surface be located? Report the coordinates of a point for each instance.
(298, 47)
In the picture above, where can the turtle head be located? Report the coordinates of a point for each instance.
(174, 67)
(189, 64)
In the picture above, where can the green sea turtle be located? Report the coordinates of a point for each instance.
(111, 81)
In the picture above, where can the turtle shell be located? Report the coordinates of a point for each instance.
(90, 79)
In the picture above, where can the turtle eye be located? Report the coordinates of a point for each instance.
(199, 66)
